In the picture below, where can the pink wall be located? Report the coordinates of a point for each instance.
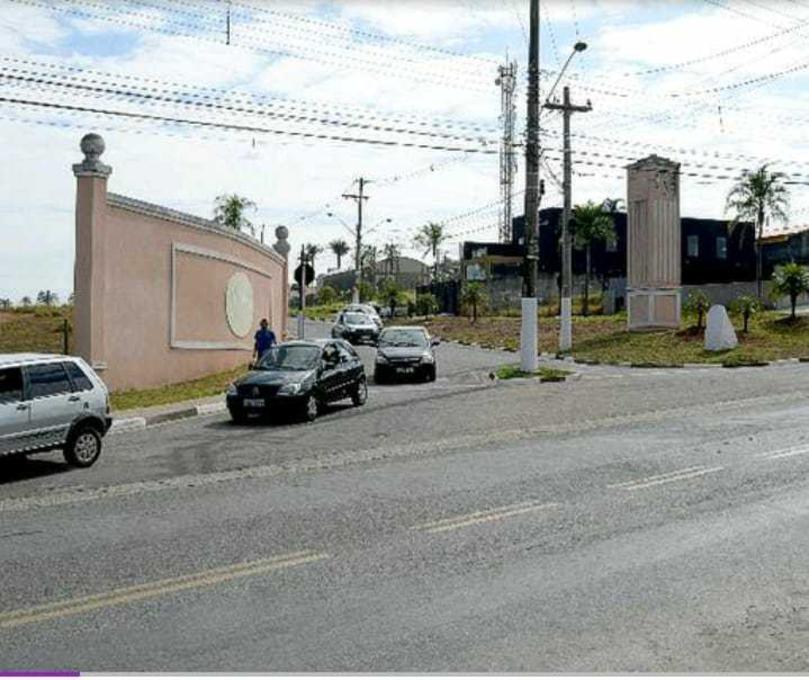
(151, 290)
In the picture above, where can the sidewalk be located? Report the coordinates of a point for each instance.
(140, 418)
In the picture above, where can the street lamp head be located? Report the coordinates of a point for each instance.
(580, 46)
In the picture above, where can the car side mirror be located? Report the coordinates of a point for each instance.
(435, 342)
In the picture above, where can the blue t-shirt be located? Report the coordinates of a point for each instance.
(265, 339)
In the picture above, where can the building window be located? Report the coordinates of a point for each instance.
(693, 246)
(721, 248)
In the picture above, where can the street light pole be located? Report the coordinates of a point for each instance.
(567, 109)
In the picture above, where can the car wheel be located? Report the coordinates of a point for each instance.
(378, 378)
(311, 408)
(360, 394)
(84, 447)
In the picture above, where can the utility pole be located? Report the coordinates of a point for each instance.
(506, 79)
(566, 322)
(227, 21)
(302, 291)
(528, 323)
(359, 198)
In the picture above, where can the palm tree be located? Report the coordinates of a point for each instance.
(612, 205)
(339, 247)
(311, 251)
(747, 306)
(392, 255)
(25, 301)
(755, 197)
(474, 296)
(47, 297)
(590, 224)
(5, 303)
(230, 209)
(791, 279)
(430, 237)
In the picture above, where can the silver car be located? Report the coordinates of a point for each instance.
(52, 402)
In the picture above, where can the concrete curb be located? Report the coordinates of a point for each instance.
(135, 423)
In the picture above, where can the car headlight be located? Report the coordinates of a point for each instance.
(232, 390)
(290, 389)
(381, 359)
(427, 358)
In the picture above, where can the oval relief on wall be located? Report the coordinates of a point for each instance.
(239, 304)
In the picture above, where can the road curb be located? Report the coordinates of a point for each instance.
(135, 423)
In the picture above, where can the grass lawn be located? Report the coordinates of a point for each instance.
(35, 330)
(604, 339)
(544, 374)
(193, 389)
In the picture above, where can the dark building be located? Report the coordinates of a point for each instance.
(710, 252)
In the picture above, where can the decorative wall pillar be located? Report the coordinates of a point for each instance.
(281, 246)
(88, 273)
(653, 248)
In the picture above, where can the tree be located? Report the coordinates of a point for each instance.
(25, 301)
(326, 295)
(311, 251)
(5, 303)
(791, 279)
(474, 296)
(392, 293)
(698, 303)
(340, 248)
(47, 297)
(230, 209)
(368, 264)
(612, 205)
(590, 224)
(747, 306)
(392, 254)
(756, 197)
(426, 304)
(429, 238)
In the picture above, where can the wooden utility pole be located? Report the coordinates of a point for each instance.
(566, 321)
(359, 198)
(532, 158)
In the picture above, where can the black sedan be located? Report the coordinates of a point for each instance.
(356, 327)
(299, 377)
(405, 352)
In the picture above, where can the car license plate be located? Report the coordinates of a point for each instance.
(408, 369)
(254, 403)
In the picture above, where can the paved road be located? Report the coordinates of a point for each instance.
(643, 521)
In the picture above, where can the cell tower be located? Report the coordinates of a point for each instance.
(507, 79)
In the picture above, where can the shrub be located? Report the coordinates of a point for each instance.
(326, 295)
(746, 306)
(426, 304)
(791, 279)
(698, 303)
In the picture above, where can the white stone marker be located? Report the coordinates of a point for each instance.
(719, 332)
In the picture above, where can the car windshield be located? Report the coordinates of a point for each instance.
(356, 319)
(404, 337)
(290, 358)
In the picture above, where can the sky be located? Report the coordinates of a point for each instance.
(310, 95)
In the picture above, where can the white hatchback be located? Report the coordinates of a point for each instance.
(52, 402)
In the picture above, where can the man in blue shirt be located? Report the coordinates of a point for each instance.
(265, 339)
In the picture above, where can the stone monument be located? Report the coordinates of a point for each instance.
(653, 250)
(719, 332)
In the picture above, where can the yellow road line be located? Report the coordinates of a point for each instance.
(119, 596)
(494, 514)
(683, 475)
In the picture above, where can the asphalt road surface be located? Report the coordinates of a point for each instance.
(627, 521)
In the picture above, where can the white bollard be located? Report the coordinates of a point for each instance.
(528, 335)
(566, 326)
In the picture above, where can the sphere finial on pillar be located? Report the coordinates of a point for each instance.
(92, 146)
(281, 246)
